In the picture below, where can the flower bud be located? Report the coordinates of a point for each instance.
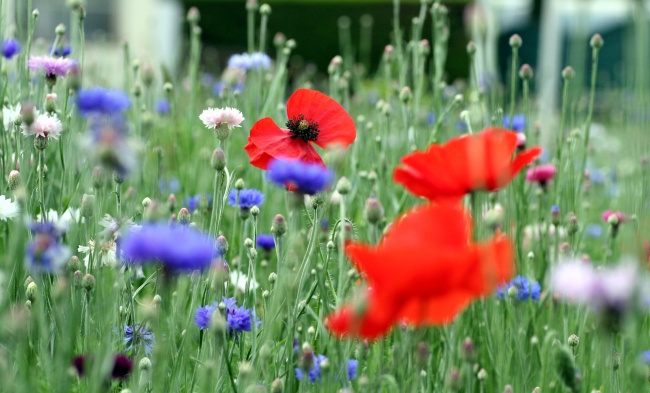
(222, 244)
(374, 212)
(41, 142)
(273, 277)
(573, 341)
(144, 364)
(481, 375)
(87, 206)
(343, 186)
(279, 226)
(218, 323)
(422, 355)
(146, 202)
(277, 386)
(279, 39)
(239, 184)
(14, 180)
(255, 211)
(526, 72)
(508, 389)
(405, 94)
(515, 41)
(184, 216)
(193, 15)
(513, 291)
(596, 41)
(471, 48)
(248, 242)
(555, 215)
(568, 73)
(50, 103)
(454, 380)
(73, 264)
(59, 29)
(88, 282)
(30, 292)
(265, 9)
(218, 160)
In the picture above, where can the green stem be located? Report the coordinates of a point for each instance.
(341, 250)
(513, 83)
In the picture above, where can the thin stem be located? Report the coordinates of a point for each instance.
(41, 191)
(341, 229)
(513, 83)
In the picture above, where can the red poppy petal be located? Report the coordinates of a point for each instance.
(524, 159)
(495, 261)
(424, 174)
(435, 311)
(346, 323)
(335, 124)
(268, 141)
(500, 144)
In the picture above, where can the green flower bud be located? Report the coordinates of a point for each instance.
(88, 282)
(30, 292)
(218, 160)
(515, 41)
(265, 9)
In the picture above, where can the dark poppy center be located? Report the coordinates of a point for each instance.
(305, 129)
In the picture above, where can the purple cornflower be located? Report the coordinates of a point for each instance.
(45, 253)
(241, 61)
(61, 50)
(204, 315)
(265, 242)
(108, 140)
(245, 198)
(177, 248)
(526, 289)
(10, 47)
(194, 202)
(300, 176)
(163, 107)
(259, 60)
(314, 371)
(139, 334)
(518, 122)
(122, 366)
(51, 66)
(238, 318)
(100, 100)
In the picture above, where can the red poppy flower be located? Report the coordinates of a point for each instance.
(313, 118)
(424, 272)
(483, 161)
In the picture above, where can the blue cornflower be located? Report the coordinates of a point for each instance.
(10, 47)
(194, 202)
(526, 289)
(241, 61)
(238, 318)
(247, 198)
(172, 185)
(596, 176)
(352, 368)
(220, 87)
(204, 315)
(139, 334)
(300, 176)
(62, 50)
(177, 247)
(259, 60)
(45, 253)
(314, 370)
(265, 242)
(163, 107)
(104, 101)
(645, 357)
(555, 209)
(518, 122)
(431, 119)
(594, 230)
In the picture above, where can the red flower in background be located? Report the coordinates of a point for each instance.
(424, 272)
(483, 161)
(313, 118)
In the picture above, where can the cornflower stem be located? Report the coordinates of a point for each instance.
(590, 112)
(228, 359)
(513, 83)
(118, 197)
(82, 40)
(41, 190)
(440, 39)
(560, 135)
(441, 119)
(341, 250)
(264, 20)
(397, 35)
(250, 23)
(195, 58)
(216, 203)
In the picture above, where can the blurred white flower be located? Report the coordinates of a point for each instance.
(107, 255)
(8, 209)
(239, 280)
(62, 223)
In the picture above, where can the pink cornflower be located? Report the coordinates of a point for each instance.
(620, 217)
(45, 126)
(217, 117)
(541, 174)
(51, 66)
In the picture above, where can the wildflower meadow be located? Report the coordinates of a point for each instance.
(257, 226)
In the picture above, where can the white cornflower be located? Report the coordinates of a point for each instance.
(114, 228)
(107, 255)
(62, 223)
(239, 280)
(217, 117)
(8, 209)
(10, 114)
(44, 126)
